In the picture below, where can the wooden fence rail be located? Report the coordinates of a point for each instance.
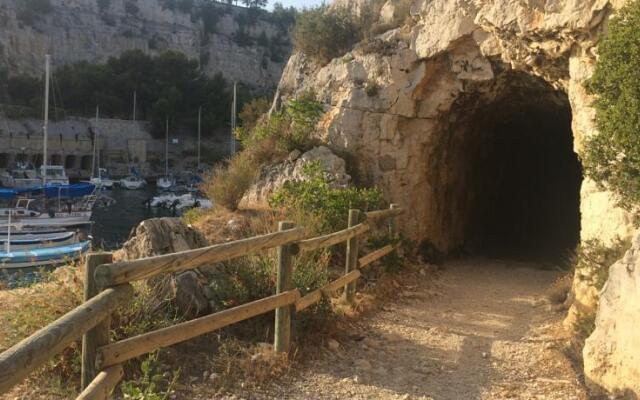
(102, 361)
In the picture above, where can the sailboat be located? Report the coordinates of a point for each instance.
(167, 181)
(50, 174)
(101, 180)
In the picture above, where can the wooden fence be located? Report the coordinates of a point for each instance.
(107, 287)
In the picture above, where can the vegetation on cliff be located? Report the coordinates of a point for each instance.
(327, 32)
(612, 156)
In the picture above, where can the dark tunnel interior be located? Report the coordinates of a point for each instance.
(522, 176)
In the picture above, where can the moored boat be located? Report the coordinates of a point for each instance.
(33, 241)
(47, 256)
(132, 182)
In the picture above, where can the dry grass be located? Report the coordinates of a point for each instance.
(559, 291)
(228, 184)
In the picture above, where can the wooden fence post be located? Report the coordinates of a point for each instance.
(393, 230)
(99, 335)
(282, 331)
(352, 256)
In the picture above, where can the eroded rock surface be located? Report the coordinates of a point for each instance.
(80, 30)
(612, 352)
(272, 177)
(159, 236)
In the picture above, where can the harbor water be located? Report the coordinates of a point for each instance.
(112, 224)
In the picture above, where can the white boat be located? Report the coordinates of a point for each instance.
(167, 181)
(180, 202)
(20, 232)
(26, 214)
(21, 176)
(47, 256)
(133, 182)
(102, 181)
(54, 175)
(33, 241)
(49, 174)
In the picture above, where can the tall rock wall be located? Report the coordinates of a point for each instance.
(411, 105)
(82, 30)
(612, 352)
(457, 57)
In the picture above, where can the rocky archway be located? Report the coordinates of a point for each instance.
(508, 178)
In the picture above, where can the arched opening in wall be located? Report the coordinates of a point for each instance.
(513, 179)
(86, 163)
(56, 159)
(70, 162)
(4, 160)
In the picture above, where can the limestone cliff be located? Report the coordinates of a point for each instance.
(92, 30)
(415, 104)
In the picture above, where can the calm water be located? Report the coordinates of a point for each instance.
(112, 225)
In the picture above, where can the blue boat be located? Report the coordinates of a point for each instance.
(46, 256)
(26, 242)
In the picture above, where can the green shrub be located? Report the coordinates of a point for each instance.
(150, 381)
(612, 157)
(252, 111)
(293, 128)
(392, 262)
(371, 88)
(325, 33)
(316, 197)
(593, 259)
(229, 183)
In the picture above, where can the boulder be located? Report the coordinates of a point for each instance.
(612, 352)
(159, 236)
(274, 176)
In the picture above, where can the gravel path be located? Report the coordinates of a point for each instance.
(483, 331)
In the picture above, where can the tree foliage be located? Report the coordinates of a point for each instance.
(612, 156)
(169, 85)
(325, 33)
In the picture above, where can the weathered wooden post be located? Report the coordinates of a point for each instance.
(352, 256)
(99, 335)
(282, 331)
(393, 230)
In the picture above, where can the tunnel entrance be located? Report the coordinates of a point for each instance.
(512, 152)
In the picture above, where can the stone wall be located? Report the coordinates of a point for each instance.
(77, 30)
(120, 144)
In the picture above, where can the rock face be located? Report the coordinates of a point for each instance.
(459, 68)
(612, 353)
(457, 57)
(82, 30)
(274, 176)
(159, 236)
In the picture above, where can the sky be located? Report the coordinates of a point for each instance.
(297, 3)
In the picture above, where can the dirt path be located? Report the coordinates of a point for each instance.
(486, 333)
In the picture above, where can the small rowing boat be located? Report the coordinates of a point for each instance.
(26, 242)
(47, 256)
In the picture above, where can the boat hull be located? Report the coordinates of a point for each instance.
(34, 241)
(43, 257)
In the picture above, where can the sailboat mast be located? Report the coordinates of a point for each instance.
(166, 149)
(96, 155)
(135, 99)
(95, 145)
(199, 130)
(45, 127)
(232, 141)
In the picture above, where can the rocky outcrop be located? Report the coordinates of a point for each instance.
(82, 30)
(612, 352)
(272, 177)
(159, 236)
(440, 80)
(456, 52)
